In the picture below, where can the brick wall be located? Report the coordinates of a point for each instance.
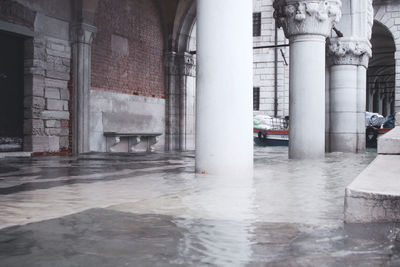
(127, 53)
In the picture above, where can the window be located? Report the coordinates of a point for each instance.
(256, 98)
(257, 24)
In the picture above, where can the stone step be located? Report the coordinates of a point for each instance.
(374, 196)
(389, 143)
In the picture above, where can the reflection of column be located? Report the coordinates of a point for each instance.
(307, 23)
(348, 61)
(224, 141)
(82, 36)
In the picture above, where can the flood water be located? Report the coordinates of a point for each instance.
(152, 210)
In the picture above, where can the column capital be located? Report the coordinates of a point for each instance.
(299, 17)
(83, 33)
(180, 63)
(349, 51)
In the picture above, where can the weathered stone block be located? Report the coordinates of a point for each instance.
(53, 131)
(56, 53)
(64, 94)
(64, 142)
(35, 70)
(34, 102)
(57, 115)
(33, 85)
(33, 126)
(54, 104)
(54, 83)
(45, 143)
(33, 113)
(53, 93)
(64, 123)
(53, 124)
(64, 132)
(58, 75)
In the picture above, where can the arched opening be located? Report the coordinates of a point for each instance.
(381, 71)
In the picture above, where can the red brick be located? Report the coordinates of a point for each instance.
(140, 72)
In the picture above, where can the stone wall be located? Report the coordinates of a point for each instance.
(46, 72)
(127, 53)
(264, 59)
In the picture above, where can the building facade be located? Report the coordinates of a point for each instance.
(129, 66)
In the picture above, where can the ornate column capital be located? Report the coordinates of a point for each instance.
(299, 17)
(349, 51)
(83, 33)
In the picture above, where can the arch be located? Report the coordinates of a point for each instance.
(184, 27)
(383, 17)
(381, 71)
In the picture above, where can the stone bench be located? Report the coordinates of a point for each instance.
(126, 132)
(131, 142)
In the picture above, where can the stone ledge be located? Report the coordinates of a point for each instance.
(15, 155)
(389, 143)
(374, 196)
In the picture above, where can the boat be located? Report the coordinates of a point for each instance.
(271, 137)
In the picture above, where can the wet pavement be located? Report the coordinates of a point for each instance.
(152, 210)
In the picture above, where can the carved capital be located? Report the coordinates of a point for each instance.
(187, 64)
(298, 17)
(83, 33)
(180, 64)
(349, 51)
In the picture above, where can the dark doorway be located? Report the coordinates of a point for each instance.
(11, 92)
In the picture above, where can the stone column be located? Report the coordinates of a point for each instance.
(224, 138)
(82, 36)
(307, 23)
(348, 60)
(172, 101)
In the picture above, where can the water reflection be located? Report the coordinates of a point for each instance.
(290, 213)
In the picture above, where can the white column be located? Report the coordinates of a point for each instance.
(224, 138)
(307, 23)
(82, 36)
(348, 60)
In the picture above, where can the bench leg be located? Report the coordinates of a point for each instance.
(112, 142)
(151, 141)
(133, 141)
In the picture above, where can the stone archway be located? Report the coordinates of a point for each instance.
(384, 14)
(181, 81)
(381, 71)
